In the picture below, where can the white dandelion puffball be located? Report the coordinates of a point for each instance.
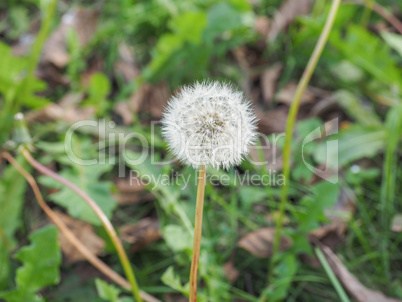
(209, 124)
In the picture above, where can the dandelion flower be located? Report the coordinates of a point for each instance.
(209, 124)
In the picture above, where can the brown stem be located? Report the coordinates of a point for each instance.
(197, 234)
(95, 261)
(104, 220)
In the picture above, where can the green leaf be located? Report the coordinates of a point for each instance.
(12, 189)
(224, 17)
(107, 291)
(364, 115)
(177, 238)
(368, 52)
(12, 75)
(171, 279)
(393, 40)
(250, 195)
(189, 26)
(86, 178)
(98, 90)
(283, 276)
(41, 261)
(325, 195)
(354, 143)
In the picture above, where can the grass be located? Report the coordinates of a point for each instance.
(369, 249)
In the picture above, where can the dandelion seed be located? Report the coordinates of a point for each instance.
(209, 124)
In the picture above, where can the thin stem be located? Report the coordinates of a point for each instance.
(301, 87)
(368, 7)
(74, 241)
(104, 220)
(199, 207)
(335, 282)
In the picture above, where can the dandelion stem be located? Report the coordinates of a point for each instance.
(301, 87)
(197, 234)
(104, 220)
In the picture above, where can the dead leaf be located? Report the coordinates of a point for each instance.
(262, 25)
(131, 191)
(268, 82)
(129, 185)
(149, 98)
(230, 271)
(66, 110)
(123, 109)
(83, 21)
(288, 11)
(396, 225)
(259, 243)
(85, 233)
(141, 234)
(287, 94)
(351, 283)
(125, 64)
(272, 121)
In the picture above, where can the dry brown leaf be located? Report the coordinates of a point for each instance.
(141, 234)
(83, 21)
(287, 94)
(125, 65)
(268, 82)
(132, 185)
(149, 98)
(123, 109)
(272, 121)
(262, 25)
(85, 233)
(65, 110)
(351, 283)
(259, 243)
(288, 11)
(230, 271)
(131, 191)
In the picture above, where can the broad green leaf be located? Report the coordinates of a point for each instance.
(107, 291)
(325, 195)
(40, 266)
(354, 143)
(98, 90)
(223, 17)
(171, 279)
(189, 26)
(86, 178)
(368, 52)
(177, 238)
(12, 76)
(12, 189)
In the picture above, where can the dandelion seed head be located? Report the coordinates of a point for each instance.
(209, 124)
